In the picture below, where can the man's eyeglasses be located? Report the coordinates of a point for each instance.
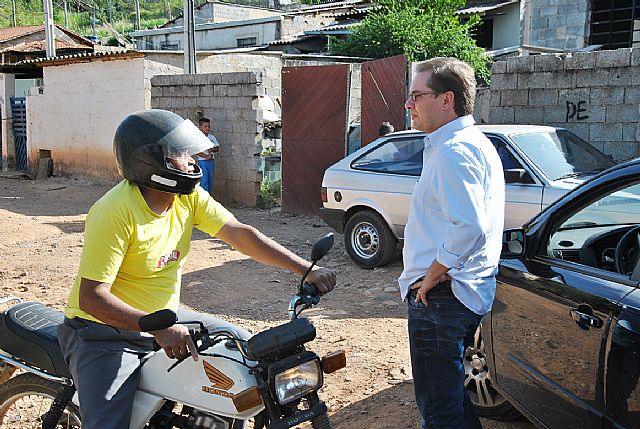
(414, 95)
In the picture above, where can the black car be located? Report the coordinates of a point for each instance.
(562, 342)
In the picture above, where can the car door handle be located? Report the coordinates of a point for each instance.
(584, 319)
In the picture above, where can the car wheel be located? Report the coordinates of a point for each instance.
(477, 380)
(368, 239)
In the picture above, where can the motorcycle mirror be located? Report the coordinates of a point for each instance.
(322, 247)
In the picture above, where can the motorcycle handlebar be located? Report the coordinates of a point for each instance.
(309, 289)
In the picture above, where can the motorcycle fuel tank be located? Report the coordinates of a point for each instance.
(207, 385)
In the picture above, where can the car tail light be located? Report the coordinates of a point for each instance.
(323, 194)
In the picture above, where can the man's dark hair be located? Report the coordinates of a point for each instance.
(203, 120)
(451, 74)
(385, 128)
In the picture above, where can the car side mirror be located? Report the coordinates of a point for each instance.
(513, 243)
(517, 175)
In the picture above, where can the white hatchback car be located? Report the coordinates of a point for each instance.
(366, 195)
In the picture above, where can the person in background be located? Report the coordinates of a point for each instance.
(385, 128)
(453, 240)
(206, 160)
(136, 241)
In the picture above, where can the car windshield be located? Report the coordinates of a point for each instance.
(396, 156)
(561, 154)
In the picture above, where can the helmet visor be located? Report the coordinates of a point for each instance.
(187, 139)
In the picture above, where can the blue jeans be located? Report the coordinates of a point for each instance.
(438, 335)
(208, 167)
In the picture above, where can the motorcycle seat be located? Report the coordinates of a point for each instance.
(29, 332)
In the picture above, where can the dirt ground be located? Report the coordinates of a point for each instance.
(41, 241)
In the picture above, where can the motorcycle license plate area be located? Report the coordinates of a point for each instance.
(280, 340)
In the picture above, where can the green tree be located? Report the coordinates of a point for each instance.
(419, 29)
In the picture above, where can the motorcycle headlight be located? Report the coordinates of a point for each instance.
(295, 382)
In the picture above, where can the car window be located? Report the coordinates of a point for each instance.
(353, 139)
(593, 235)
(561, 154)
(508, 160)
(396, 156)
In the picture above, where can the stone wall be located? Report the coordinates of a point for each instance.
(230, 101)
(560, 24)
(596, 95)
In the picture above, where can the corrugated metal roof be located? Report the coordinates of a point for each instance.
(291, 39)
(83, 57)
(354, 12)
(485, 7)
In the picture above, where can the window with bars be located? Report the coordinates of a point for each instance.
(612, 22)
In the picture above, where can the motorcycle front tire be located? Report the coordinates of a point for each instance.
(25, 398)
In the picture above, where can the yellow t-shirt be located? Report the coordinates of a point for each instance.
(138, 251)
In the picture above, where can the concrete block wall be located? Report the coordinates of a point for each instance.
(560, 24)
(594, 94)
(230, 100)
(268, 65)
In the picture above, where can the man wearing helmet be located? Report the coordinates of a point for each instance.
(136, 241)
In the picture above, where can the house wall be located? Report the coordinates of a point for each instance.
(506, 27)
(7, 147)
(221, 12)
(594, 94)
(561, 24)
(230, 101)
(211, 37)
(76, 115)
(297, 24)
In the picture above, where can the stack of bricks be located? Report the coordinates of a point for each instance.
(230, 101)
(594, 94)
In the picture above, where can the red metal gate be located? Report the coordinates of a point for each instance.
(314, 120)
(384, 91)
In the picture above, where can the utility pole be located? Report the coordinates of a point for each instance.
(110, 12)
(93, 19)
(13, 11)
(66, 19)
(189, 38)
(137, 14)
(49, 28)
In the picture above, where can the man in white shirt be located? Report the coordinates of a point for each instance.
(453, 239)
(206, 160)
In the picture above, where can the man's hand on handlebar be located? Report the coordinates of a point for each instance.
(323, 278)
(176, 342)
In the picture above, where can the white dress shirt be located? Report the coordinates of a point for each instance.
(457, 214)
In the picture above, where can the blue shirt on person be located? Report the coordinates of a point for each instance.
(457, 214)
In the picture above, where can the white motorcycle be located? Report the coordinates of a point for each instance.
(268, 380)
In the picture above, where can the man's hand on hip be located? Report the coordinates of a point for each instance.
(436, 273)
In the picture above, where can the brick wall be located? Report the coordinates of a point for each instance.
(230, 100)
(595, 94)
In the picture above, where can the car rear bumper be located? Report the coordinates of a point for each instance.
(334, 218)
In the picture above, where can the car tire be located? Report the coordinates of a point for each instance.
(487, 401)
(368, 240)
